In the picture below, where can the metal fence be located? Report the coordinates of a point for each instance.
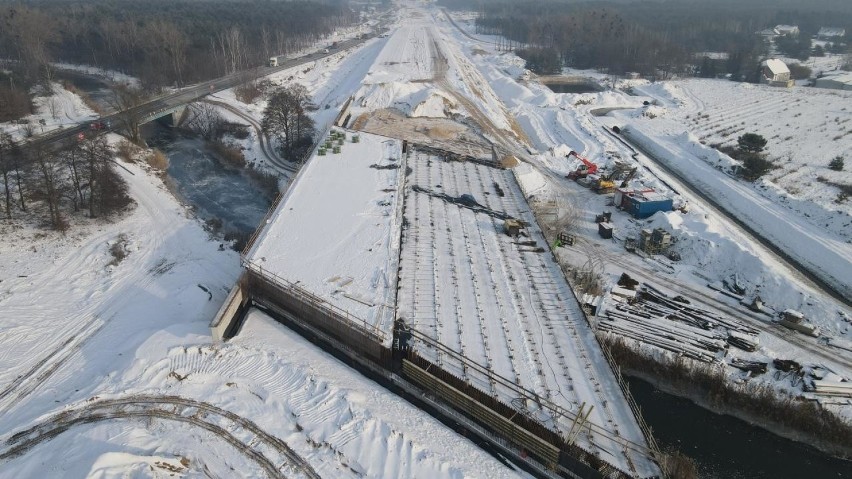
(267, 288)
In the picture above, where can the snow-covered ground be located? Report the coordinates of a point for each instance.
(111, 75)
(805, 127)
(339, 423)
(60, 109)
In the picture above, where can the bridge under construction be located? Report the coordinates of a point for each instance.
(396, 256)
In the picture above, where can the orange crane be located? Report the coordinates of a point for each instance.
(587, 168)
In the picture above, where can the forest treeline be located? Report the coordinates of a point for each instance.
(656, 39)
(162, 42)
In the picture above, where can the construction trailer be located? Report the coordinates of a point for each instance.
(605, 230)
(656, 241)
(643, 205)
(621, 195)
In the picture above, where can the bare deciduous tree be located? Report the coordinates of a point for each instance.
(50, 185)
(53, 107)
(7, 147)
(125, 100)
(205, 120)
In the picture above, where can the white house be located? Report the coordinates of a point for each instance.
(831, 33)
(775, 72)
(791, 30)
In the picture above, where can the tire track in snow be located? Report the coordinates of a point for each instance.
(224, 424)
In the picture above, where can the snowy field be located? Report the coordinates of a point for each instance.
(805, 127)
(503, 303)
(270, 390)
(334, 232)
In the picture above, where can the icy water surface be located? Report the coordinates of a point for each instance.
(727, 448)
(203, 180)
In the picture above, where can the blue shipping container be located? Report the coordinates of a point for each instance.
(641, 208)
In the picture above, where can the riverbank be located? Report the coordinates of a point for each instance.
(789, 417)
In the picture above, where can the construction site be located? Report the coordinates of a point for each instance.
(417, 242)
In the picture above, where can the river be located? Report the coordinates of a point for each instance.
(725, 447)
(216, 190)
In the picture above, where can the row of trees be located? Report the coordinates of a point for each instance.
(657, 39)
(163, 42)
(79, 178)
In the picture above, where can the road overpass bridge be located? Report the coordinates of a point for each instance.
(171, 105)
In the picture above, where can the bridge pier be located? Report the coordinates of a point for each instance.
(174, 118)
(170, 117)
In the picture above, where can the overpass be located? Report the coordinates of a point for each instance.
(174, 102)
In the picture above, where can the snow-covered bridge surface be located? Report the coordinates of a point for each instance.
(503, 303)
(335, 233)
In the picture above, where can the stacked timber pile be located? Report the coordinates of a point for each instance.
(673, 324)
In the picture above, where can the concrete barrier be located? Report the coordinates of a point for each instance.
(223, 324)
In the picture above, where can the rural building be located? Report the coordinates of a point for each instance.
(791, 30)
(831, 33)
(768, 32)
(836, 81)
(775, 73)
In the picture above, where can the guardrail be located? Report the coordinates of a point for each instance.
(295, 292)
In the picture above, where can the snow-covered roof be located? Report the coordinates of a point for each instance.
(650, 196)
(785, 29)
(776, 66)
(713, 55)
(831, 32)
(768, 31)
(840, 77)
(501, 305)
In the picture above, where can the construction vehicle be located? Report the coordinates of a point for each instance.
(584, 170)
(604, 185)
